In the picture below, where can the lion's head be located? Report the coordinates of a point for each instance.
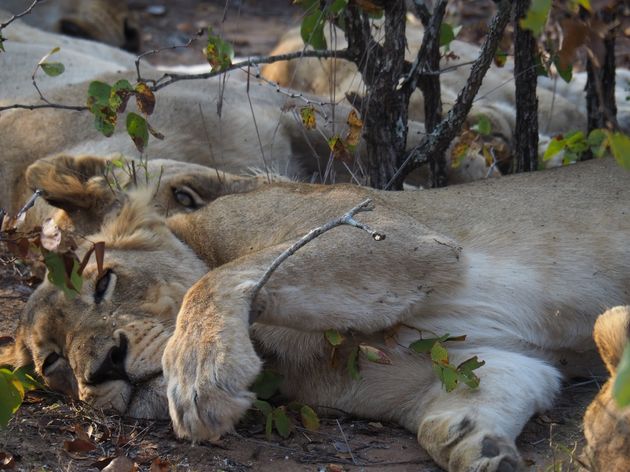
(85, 187)
(606, 426)
(104, 346)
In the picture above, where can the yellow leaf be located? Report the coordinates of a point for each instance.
(308, 117)
(354, 132)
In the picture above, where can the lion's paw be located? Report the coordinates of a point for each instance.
(207, 391)
(463, 445)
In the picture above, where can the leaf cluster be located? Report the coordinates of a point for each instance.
(449, 374)
(106, 102)
(282, 417)
(598, 142)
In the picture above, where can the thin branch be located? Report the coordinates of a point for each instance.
(139, 77)
(346, 219)
(19, 15)
(46, 105)
(170, 78)
(345, 439)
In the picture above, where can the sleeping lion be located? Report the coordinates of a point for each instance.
(170, 327)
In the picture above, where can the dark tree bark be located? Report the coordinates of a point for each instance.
(600, 84)
(525, 77)
(385, 106)
(429, 84)
(436, 143)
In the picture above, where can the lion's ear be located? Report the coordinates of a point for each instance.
(611, 335)
(77, 185)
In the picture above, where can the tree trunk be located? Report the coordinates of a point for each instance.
(600, 84)
(526, 133)
(385, 106)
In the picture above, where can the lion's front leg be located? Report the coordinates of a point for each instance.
(210, 362)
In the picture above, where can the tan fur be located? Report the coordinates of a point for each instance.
(520, 265)
(177, 187)
(187, 114)
(606, 426)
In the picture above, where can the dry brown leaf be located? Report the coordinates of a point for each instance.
(160, 465)
(121, 464)
(575, 35)
(339, 149)
(145, 100)
(78, 445)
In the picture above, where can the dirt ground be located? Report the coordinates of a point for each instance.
(43, 434)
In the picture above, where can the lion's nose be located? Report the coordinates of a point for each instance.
(113, 366)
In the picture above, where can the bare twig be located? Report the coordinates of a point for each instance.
(170, 78)
(139, 77)
(29, 204)
(345, 439)
(19, 15)
(346, 219)
(45, 105)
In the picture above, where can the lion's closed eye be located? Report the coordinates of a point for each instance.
(104, 286)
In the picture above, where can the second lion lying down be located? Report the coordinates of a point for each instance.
(522, 266)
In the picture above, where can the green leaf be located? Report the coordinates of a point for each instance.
(374, 354)
(310, 420)
(267, 384)
(269, 426)
(138, 130)
(334, 337)
(448, 375)
(446, 34)
(352, 365)
(52, 69)
(598, 142)
(263, 406)
(28, 379)
(105, 122)
(75, 278)
(439, 354)
(57, 273)
(556, 145)
(465, 370)
(219, 53)
(337, 6)
(119, 95)
(98, 95)
(566, 73)
(620, 149)
(282, 422)
(576, 142)
(10, 398)
(2, 44)
(536, 16)
(483, 125)
(312, 30)
(621, 387)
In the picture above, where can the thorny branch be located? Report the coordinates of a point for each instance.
(345, 219)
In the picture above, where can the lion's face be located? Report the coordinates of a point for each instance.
(105, 345)
(606, 426)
